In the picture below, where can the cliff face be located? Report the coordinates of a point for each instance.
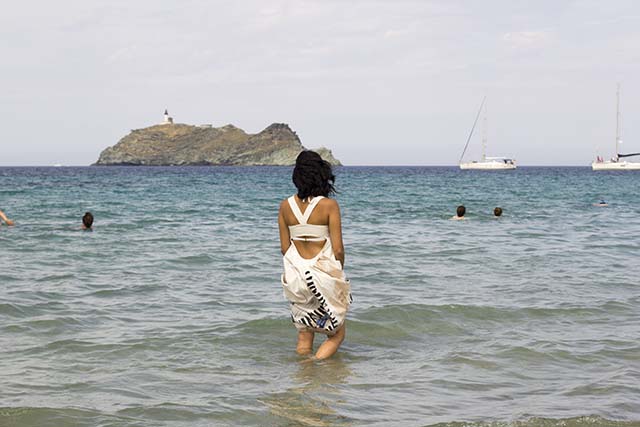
(180, 144)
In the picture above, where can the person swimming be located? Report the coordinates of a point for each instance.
(497, 212)
(87, 221)
(5, 219)
(460, 211)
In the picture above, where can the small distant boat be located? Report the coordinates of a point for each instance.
(57, 165)
(485, 163)
(492, 163)
(617, 162)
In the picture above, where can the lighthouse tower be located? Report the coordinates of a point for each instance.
(167, 120)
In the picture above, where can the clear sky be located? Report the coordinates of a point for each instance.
(380, 82)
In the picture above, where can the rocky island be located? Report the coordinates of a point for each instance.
(170, 144)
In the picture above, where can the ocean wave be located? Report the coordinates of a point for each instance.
(55, 277)
(13, 310)
(419, 314)
(287, 408)
(61, 417)
(582, 421)
(191, 260)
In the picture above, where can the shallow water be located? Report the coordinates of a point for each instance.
(170, 313)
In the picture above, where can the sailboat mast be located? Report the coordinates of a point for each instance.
(484, 135)
(618, 121)
(475, 122)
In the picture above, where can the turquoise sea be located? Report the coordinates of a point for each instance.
(171, 313)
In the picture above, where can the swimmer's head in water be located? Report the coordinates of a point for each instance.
(497, 211)
(461, 210)
(87, 220)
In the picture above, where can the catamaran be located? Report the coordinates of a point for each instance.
(617, 162)
(485, 163)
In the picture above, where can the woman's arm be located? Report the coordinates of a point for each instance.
(335, 231)
(5, 219)
(285, 240)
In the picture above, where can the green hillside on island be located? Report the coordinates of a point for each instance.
(170, 144)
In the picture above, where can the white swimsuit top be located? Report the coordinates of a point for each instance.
(302, 230)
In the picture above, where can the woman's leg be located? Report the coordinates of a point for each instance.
(305, 342)
(331, 345)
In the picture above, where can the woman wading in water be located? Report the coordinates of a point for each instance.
(311, 242)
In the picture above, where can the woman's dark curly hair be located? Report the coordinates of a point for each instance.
(313, 176)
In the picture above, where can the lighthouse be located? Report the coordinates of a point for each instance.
(167, 120)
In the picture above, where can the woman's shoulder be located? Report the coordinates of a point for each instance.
(328, 203)
(284, 203)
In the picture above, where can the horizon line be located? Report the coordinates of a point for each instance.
(346, 165)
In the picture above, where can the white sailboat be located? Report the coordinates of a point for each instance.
(617, 162)
(485, 163)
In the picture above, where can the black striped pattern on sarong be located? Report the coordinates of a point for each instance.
(314, 318)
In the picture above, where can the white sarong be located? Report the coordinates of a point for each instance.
(318, 291)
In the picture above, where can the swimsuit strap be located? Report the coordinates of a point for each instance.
(296, 210)
(303, 218)
(312, 204)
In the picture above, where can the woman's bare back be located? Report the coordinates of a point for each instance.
(327, 213)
